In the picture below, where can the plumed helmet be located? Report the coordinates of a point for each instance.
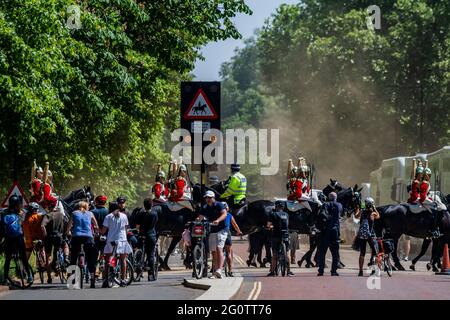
(294, 170)
(49, 173)
(419, 170)
(427, 171)
(39, 170)
(161, 174)
(183, 168)
(235, 167)
(304, 169)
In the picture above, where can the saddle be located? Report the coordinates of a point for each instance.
(427, 205)
(295, 206)
(177, 206)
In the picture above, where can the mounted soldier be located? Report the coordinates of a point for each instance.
(180, 193)
(236, 192)
(35, 183)
(160, 191)
(294, 184)
(49, 200)
(416, 177)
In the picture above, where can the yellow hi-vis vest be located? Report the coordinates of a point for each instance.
(237, 187)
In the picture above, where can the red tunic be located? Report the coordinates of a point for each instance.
(424, 189)
(48, 199)
(178, 192)
(414, 193)
(36, 191)
(160, 191)
(295, 186)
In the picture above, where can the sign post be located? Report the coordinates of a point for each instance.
(200, 112)
(15, 190)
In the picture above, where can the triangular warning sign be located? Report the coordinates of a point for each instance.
(200, 108)
(17, 190)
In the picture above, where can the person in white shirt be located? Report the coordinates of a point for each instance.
(116, 224)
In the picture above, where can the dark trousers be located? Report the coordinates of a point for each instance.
(89, 251)
(150, 245)
(329, 240)
(12, 245)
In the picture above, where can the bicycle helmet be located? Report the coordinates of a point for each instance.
(14, 201)
(33, 206)
(369, 202)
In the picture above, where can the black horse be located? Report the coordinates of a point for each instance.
(398, 219)
(70, 202)
(349, 198)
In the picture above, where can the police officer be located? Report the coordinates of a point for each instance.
(329, 237)
(236, 192)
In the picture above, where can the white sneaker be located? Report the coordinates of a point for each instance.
(405, 259)
(213, 277)
(218, 274)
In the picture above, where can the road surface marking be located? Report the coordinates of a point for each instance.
(239, 260)
(254, 294)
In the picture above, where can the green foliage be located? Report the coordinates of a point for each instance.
(350, 95)
(97, 102)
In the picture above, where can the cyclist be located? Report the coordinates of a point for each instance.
(115, 224)
(32, 227)
(230, 222)
(366, 233)
(80, 229)
(215, 212)
(279, 224)
(53, 226)
(100, 212)
(11, 230)
(147, 223)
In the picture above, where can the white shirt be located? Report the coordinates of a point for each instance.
(117, 227)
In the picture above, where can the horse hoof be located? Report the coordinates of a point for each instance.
(412, 267)
(435, 269)
(308, 265)
(262, 265)
(299, 262)
(428, 266)
(165, 267)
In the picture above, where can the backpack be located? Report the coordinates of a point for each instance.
(323, 218)
(12, 224)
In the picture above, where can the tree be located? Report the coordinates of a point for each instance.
(97, 101)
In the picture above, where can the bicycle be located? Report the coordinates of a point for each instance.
(138, 258)
(282, 259)
(382, 259)
(18, 271)
(115, 270)
(81, 263)
(60, 263)
(199, 231)
(41, 258)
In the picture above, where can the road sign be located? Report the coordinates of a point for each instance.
(15, 190)
(200, 103)
(200, 108)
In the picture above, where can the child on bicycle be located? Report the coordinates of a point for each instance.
(11, 230)
(279, 224)
(230, 222)
(366, 233)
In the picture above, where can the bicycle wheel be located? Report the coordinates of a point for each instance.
(128, 273)
(81, 265)
(155, 264)
(387, 265)
(40, 264)
(17, 276)
(138, 257)
(111, 276)
(198, 261)
(61, 267)
(225, 264)
(283, 260)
